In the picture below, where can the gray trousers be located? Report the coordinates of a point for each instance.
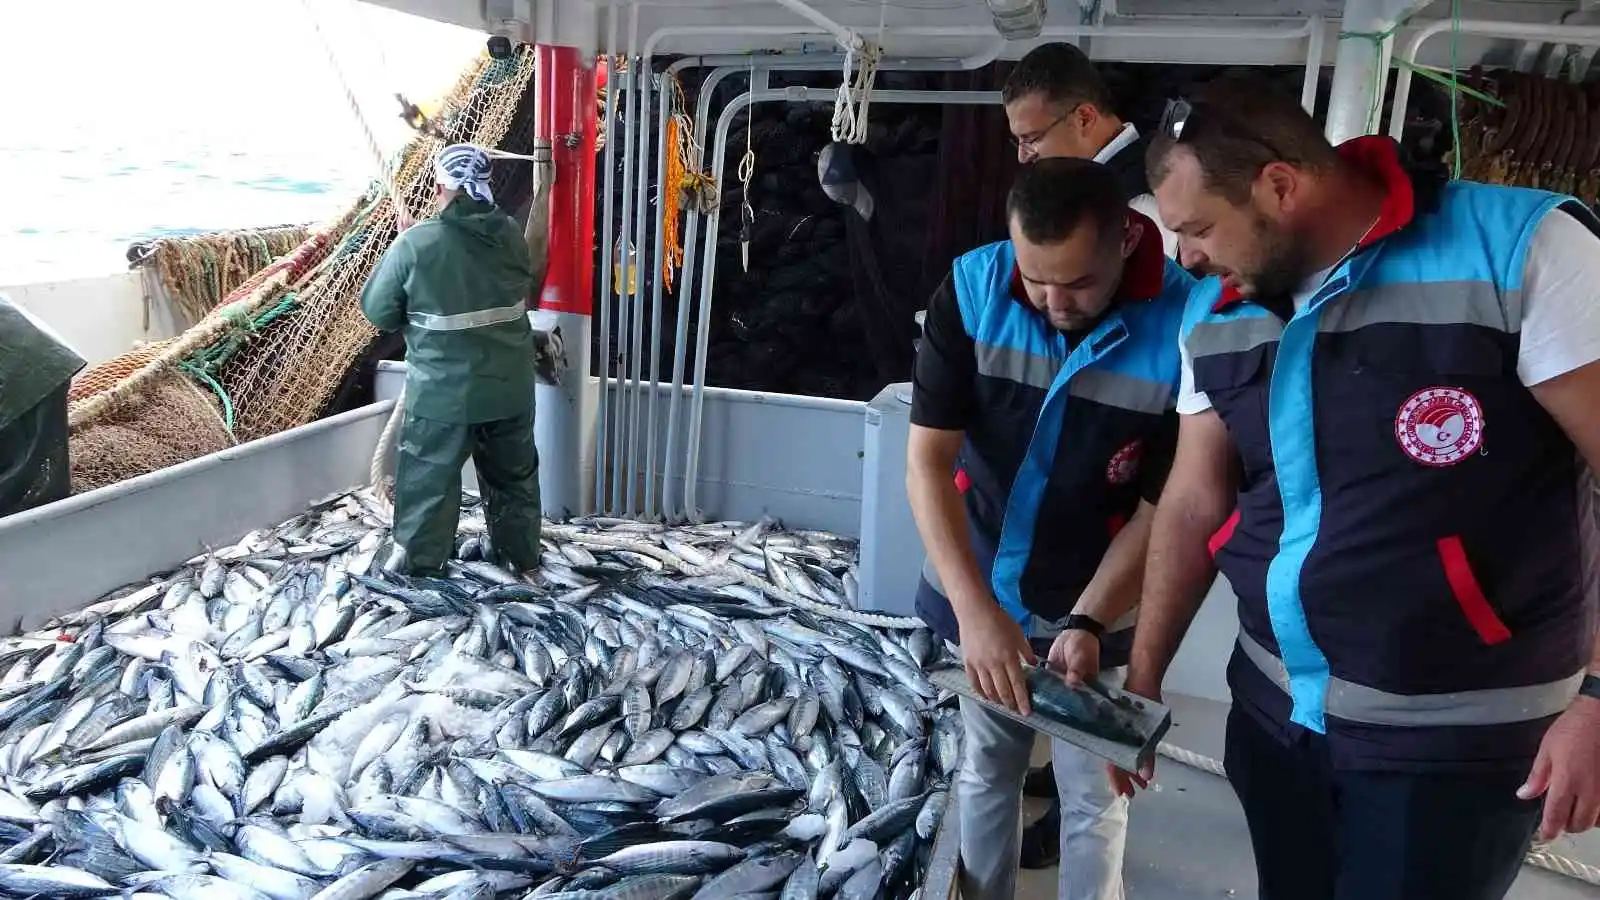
(1094, 821)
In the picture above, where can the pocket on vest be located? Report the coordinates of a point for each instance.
(1468, 592)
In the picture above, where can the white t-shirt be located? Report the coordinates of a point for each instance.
(1560, 313)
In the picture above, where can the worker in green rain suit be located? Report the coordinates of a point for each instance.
(456, 285)
(36, 369)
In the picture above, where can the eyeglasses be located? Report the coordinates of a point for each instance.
(1183, 118)
(1027, 145)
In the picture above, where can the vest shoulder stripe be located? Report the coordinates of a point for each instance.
(1016, 365)
(1491, 706)
(1232, 335)
(1454, 302)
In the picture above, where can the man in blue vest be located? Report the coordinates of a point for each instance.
(1056, 105)
(1046, 376)
(1390, 383)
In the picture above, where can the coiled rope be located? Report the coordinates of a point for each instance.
(855, 88)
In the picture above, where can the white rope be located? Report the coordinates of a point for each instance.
(747, 171)
(1539, 856)
(383, 454)
(381, 161)
(855, 87)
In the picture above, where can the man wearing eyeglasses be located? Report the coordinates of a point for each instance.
(1045, 378)
(1057, 105)
(1393, 385)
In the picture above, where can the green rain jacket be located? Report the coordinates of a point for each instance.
(456, 285)
(34, 363)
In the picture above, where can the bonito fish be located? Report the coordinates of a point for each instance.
(653, 714)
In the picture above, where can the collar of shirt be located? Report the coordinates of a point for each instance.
(1121, 142)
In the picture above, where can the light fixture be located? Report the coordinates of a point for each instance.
(1017, 20)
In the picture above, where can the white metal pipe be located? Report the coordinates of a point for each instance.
(707, 279)
(1360, 71)
(1172, 30)
(641, 274)
(728, 64)
(603, 304)
(632, 402)
(1582, 35)
(671, 495)
(847, 38)
(1314, 50)
(657, 266)
(620, 259)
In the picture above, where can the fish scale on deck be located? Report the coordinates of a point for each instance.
(646, 718)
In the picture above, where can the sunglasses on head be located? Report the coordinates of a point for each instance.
(1182, 119)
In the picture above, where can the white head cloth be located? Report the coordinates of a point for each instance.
(463, 167)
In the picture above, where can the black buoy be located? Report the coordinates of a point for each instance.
(500, 46)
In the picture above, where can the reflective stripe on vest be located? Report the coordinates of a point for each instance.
(1491, 706)
(481, 318)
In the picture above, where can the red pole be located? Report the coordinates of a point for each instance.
(566, 116)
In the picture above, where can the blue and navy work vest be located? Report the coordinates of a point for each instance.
(1093, 407)
(1405, 549)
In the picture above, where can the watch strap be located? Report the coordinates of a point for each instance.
(1079, 622)
(1590, 686)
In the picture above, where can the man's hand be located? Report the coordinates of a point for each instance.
(992, 648)
(1567, 772)
(1123, 783)
(1075, 656)
(403, 220)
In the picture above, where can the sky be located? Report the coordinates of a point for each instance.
(121, 118)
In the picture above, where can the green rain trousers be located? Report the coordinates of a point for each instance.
(427, 488)
(33, 456)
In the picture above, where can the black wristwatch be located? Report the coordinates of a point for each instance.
(1084, 623)
(1590, 686)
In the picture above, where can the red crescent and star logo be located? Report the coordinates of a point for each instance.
(1440, 426)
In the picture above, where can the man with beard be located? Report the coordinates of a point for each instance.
(1057, 105)
(1391, 384)
(1045, 378)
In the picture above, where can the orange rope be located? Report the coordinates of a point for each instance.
(672, 203)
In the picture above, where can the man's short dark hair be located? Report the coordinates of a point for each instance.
(1235, 128)
(1062, 73)
(1051, 198)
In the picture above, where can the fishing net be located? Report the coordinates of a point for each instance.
(276, 349)
(170, 420)
(195, 272)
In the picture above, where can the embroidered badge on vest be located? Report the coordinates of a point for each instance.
(1440, 426)
(1124, 465)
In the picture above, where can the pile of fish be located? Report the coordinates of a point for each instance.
(282, 719)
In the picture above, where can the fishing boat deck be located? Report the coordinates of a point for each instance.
(1187, 837)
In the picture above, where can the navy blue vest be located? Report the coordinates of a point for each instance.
(1405, 549)
(1092, 406)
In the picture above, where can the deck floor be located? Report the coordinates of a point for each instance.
(1187, 837)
